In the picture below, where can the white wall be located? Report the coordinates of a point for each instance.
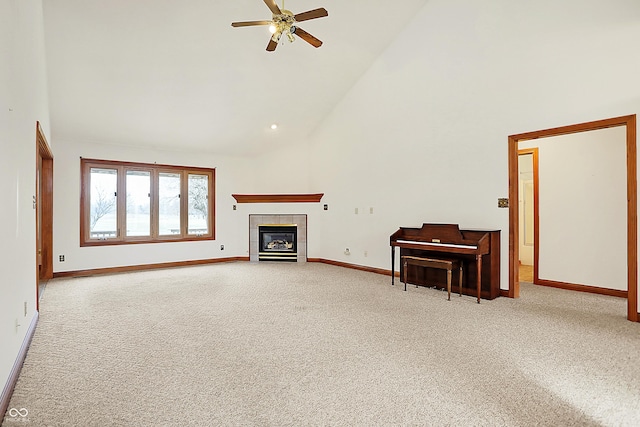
(422, 137)
(282, 170)
(583, 208)
(23, 101)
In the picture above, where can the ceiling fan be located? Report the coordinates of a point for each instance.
(283, 22)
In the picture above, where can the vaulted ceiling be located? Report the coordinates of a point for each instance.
(175, 74)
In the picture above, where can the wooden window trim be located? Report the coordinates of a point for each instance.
(155, 169)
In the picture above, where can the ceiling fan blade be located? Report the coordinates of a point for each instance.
(271, 4)
(307, 37)
(272, 45)
(311, 14)
(250, 23)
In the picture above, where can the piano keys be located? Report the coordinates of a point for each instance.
(477, 250)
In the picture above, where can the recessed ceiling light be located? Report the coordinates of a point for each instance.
(274, 126)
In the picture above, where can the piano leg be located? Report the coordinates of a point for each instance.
(460, 279)
(405, 275)
(449, 284)
(479, 270)
(393, 261)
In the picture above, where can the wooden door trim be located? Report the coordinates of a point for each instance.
(632, 201)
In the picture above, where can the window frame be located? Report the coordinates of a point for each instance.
(155, 169)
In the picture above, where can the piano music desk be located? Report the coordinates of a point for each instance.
(444, 264)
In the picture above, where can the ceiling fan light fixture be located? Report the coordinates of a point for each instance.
(290, 37)
(283, 22)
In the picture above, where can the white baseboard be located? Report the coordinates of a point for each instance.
(7, 391)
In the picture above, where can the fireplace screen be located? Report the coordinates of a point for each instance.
(277, 242)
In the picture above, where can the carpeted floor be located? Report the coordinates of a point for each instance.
(292, 344)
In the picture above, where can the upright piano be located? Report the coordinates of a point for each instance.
(477, 250)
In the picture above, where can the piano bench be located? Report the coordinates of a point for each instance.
(440, 263)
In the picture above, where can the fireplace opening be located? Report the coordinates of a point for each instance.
(278, 242)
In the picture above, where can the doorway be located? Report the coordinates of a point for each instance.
(528, 213)
(629, 122)
(43, 202)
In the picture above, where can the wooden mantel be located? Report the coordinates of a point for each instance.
(278, 198)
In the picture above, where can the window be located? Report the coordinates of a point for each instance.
(122, 203)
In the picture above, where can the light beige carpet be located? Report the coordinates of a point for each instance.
(288, 344)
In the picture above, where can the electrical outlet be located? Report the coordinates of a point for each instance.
(222, 247)
(503, 203)
(346, 251)
(61, 258)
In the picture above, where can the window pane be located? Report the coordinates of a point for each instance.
(169, 203)
(103, 220)
(198, 204)
(138, 203)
